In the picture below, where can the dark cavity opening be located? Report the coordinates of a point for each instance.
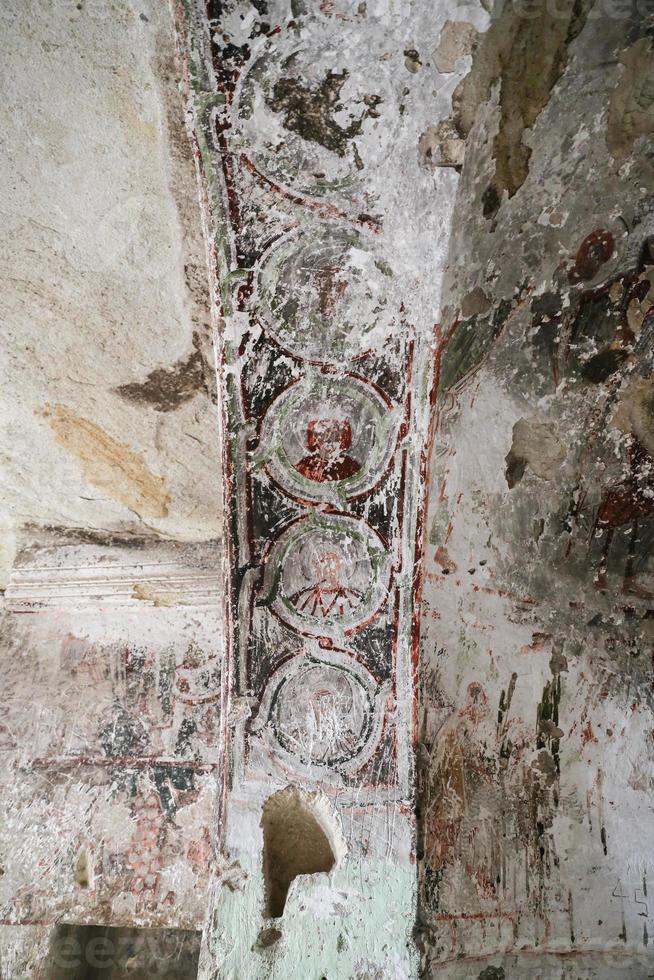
(294, 843)
(102, 953)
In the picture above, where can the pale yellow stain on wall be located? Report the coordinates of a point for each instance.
(108, 464)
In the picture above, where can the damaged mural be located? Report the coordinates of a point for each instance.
(390, 716)
(535, 751)
(326, 292)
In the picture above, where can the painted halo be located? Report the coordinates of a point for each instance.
(313, 125)
(328, 439)
(324, 709)
(325, 298)
(327, 575)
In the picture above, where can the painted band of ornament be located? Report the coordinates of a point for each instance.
(323, 709)
(324, 296)
(327, 575)
(328, 439)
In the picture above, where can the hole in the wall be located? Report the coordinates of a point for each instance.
(268, 938)
(490, 202)
(300, 837)
(80, 952)
(83, 870)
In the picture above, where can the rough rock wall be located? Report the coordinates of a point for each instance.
(111, 623)
(536, 743)
(107, 369)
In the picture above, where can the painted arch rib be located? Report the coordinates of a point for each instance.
(327, 271)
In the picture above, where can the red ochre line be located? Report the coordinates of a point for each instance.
(421, 524)
(323, 210)
(109, 762)
(541, 951)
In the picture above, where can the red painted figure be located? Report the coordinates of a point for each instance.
(328, 441)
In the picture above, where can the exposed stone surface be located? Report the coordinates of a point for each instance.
(104, 281)
(458, 39)
(442, 146)
(536, 445)
(631, 110)
(536, 748)
(521, 58)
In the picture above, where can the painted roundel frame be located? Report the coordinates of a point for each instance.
(327, 339)
(318, 396)
(340, 663)
(359, 545)
(319, 171)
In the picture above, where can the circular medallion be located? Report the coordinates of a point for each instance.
(325, 299)
(321, 714)
(318, 119)
(322, 708)
(327, 575)
(328, 439)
